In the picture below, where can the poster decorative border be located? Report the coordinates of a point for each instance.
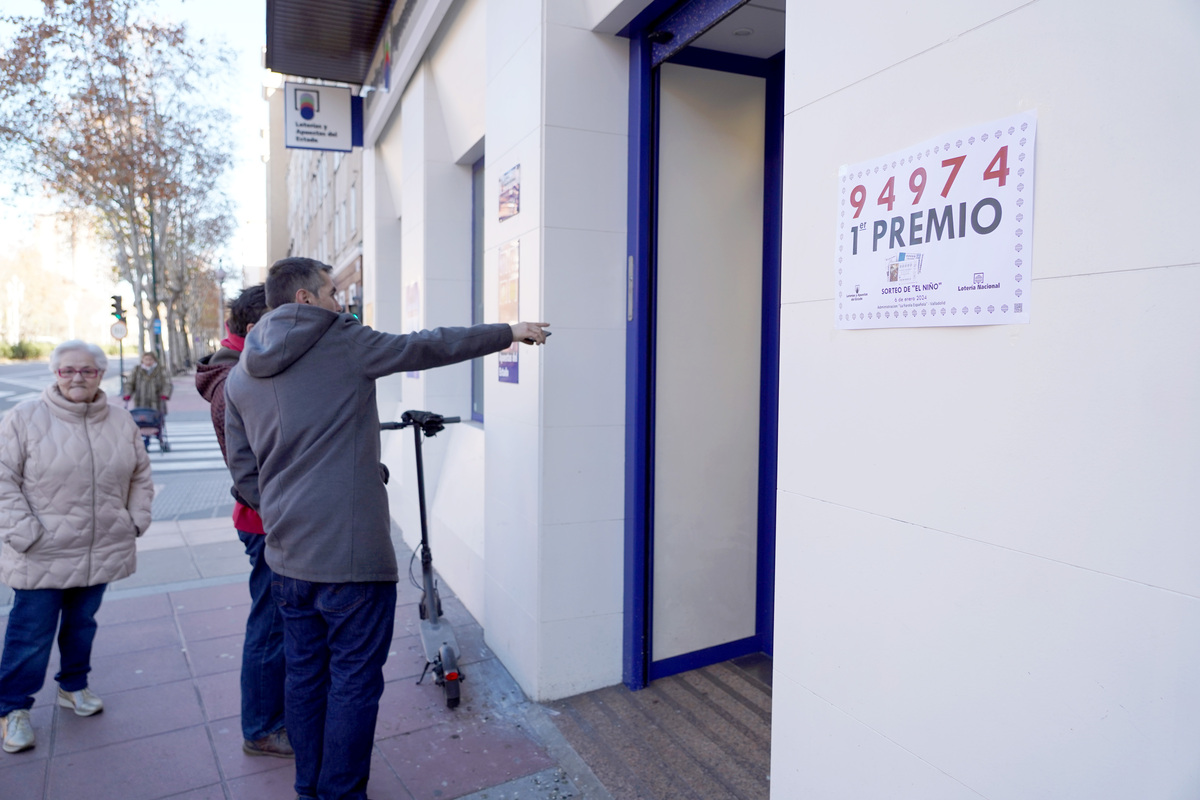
(939, 234)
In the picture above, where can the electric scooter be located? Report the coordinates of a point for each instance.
(437, 637)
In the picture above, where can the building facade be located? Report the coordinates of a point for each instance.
(969, 548)
(315, 201)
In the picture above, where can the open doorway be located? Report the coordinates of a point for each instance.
(706, 139)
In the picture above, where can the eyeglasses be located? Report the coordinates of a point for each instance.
(71, 372)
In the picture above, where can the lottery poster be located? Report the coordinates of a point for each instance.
(510, 193)
(508, 292)
(939, 233)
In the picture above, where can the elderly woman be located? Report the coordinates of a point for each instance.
(75, 493)
(148, 386)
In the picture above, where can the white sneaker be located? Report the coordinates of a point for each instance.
(83, 702)
(18, 733)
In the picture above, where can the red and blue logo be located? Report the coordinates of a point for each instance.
(309, 103)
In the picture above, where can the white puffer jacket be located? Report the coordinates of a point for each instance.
(75, 493)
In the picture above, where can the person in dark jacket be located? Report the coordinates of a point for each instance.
(149, 387)
(302, 431)
(263, 729)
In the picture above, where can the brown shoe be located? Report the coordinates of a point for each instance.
(273, 744)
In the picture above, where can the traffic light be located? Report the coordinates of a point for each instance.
(117, 311)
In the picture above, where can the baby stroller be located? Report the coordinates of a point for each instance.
(152, 422)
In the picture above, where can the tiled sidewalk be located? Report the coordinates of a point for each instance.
(167, 666)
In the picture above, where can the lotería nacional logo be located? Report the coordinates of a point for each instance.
(308, 102)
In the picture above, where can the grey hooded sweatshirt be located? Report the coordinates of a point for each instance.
(302, 432)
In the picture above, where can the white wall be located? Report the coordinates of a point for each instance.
(988, 534)
(526, 510)
(439, 119)
(555, 453)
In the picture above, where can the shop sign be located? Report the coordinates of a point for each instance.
(318, 117)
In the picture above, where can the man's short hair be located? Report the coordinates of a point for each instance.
(289, 275)
(247, 309)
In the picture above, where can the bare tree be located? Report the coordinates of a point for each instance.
(106, 108)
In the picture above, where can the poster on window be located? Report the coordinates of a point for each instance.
(510, 193)
(507, 288)
(939, 233)
(412, 314)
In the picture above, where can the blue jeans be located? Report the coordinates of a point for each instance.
(27, 642)
(336, 638)
(262, 652)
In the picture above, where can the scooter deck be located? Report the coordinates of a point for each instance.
(436, 634)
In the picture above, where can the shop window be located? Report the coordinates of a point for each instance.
(477, 283)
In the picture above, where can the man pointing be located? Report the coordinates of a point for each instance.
(302, 431)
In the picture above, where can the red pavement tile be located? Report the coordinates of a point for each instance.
(121, 671)
(214, 792)
(118, 673)
(49, 691)
(210, 597)
(131, 637)
(144, 769)
(406, 659)
(280, 784)
(214, 623)
(221, 695)
(384, 783)
(131, 715)
(20, 778)
(211, 656)
(171, 729)
(276, 784)
(227, 742)
(406, 593)
(133, 609)
(405, 708)
(456, 758)
(408, 620)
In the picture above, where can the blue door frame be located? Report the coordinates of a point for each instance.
(646, 52)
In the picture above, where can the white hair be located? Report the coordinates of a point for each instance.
(78, 345)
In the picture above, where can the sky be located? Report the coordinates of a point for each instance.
(241, 26)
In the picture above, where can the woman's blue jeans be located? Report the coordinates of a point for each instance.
(30, 636)
(262, 652)
(336, 638)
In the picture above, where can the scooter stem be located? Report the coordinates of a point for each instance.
(430, 598)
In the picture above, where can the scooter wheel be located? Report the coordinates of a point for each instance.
(452, 694)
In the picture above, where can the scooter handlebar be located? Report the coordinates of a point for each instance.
(425, 419)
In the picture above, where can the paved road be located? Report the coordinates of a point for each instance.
(22, 381)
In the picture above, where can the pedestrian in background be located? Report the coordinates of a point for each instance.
(75, 493)
(302, 430)
(149, 387)
(263, 731)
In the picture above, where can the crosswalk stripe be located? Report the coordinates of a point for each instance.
(193, 446)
